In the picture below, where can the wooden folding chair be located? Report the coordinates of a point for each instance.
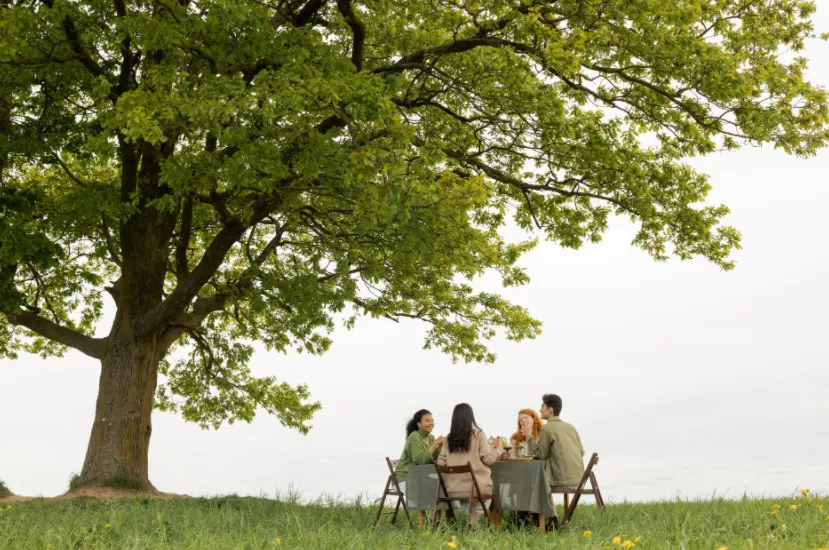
(570, 507)
(392, 490)
(446, 499)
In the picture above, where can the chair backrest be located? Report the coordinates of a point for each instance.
(392, 475)
(594, 459)
(392, 464)
(451, 470)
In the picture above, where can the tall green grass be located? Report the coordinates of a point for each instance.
(260, 523)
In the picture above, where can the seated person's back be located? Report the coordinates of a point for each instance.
(559, 445)
(466, 442)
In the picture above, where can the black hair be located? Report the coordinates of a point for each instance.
(463, 424)
(411, 425)
(553, 401)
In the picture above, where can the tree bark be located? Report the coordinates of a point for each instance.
(120, 440)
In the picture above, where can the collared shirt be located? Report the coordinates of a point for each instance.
(415, 452)
(559, 446)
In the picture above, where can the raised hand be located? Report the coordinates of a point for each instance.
(527, 426)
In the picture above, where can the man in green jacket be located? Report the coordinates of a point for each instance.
(558, 445)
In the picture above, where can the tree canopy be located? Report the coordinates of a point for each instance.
(239, 171)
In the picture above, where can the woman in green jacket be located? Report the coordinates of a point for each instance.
(421, 446)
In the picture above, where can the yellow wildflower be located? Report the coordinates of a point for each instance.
(776, 506)
(723, 548)
(277, 540)
(452, 544)
(793, 507)
(804, 491)
(588, 533)
(107, 526)
(617, 540)
(820, 507)
(809, 499)
(637, 540)
(9, 507)
(628, 544)
(784, 527)
(773, 513)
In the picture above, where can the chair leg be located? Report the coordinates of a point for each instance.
(542, 524)
(396, 509)
(436, 519)
(596, 492)
(566, 502)
(382, 503)
(495, 518)
(450, 513)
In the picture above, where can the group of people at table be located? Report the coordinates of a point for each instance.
(555, 442)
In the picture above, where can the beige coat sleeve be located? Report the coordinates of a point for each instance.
(488, 455)
(444, 450)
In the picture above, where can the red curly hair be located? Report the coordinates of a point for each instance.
(518, 437)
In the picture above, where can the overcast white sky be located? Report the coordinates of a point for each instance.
(687, 380)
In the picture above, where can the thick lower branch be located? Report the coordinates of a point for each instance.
(93, 347)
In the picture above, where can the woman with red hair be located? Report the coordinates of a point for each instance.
(520, 446)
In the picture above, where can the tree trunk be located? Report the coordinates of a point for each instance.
(120, 440)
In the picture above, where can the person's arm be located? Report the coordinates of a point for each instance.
(436, 446)
(488, 454)
(541, 449)
(442, 455)
(418, 450)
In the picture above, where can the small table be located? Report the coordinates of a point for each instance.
(517, 485)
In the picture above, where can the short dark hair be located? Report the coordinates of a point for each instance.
(553, 401)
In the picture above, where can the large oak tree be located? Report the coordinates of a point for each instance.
(240, 171)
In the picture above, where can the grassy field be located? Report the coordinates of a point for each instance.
(234, 522)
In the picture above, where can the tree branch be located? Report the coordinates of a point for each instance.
(358, 29)
(93, 347)
(308, 12)
(187, 289)
(44, 60)
(191, 321)
(184, 240)
(79, 48)
(212, 259)
(108, 238)
(502, 177)
(271, 246)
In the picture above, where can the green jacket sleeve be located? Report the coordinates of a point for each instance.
(418, 450)
(541, 449)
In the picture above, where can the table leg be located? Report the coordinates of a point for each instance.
(495, 518)
(542, 524)
(420, 517)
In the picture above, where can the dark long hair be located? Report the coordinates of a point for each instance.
(463, 424)
(411, 426)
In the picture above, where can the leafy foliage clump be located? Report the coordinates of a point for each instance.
(238, 172)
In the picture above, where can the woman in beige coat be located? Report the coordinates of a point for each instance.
(466, 442)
